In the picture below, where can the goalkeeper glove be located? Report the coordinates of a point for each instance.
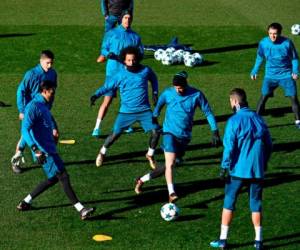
(216, 140)
(40, 156)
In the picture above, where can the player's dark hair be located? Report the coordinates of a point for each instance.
(47, 84)
(241, 95)
(180, 79)
(275, 26)
(47, 54)
(131, 50)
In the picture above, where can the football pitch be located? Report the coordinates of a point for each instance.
(226, 33)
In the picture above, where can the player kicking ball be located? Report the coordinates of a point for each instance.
(181, 102)
(37, 132)
(132, 81)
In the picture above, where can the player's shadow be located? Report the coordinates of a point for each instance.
(16, 35)
(270, 243)
(286, 146)
(4, 105)
(228, 48)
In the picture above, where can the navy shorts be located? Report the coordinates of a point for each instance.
(288, 85)
(173, 144)
(233, 187)
(124, 120)
(53, 165)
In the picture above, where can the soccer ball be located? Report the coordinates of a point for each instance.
(169, 211)
(198, 58)
(178, 54)
(167, 59)
(158, 54)
(170, 49)
(189, 61)
(295, 29)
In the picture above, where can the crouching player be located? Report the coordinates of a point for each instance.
(181, 101)
(132, 82)
(37, 132)
(247, 149)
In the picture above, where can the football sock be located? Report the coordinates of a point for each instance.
(171, 188)
(98, 122)
(150, 151)
(224, 232)
(258, 233)
(145, 178)
(103, 150)
(78, 206)
(28, 199)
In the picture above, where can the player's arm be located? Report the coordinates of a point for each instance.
(229, 143)
(267, 140)
(104, 7)
(258, 61)
(21, 92)
(295, 62)
(154, 84)
(203, 103)
(106, 44)
(111, 83)
(159, 105)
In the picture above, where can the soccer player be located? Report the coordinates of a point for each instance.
(27, 90)
(112, 11)
(132, 82)
(281, 69)
(247, 149)
(181, 102)
(37, 132)
(114, 41)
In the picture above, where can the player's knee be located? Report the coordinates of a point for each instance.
(229, 202)
(255, 205)
(63, 176)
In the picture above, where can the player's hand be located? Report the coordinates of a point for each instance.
(40, 156)
(93, 100)
(295, 76)
(223, 174)
(216, 140)
(112, 56)
(101, 59)
(55, 135)
(154, 98)
(253, 77)
(21, 116)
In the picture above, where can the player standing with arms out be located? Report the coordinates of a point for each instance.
(27, 90)
(132, 82)
(112, 11)
(181, 102)
(247, 149)
(114, 41)
(37, 132)
(281, 69)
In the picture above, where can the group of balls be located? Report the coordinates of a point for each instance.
(295, 29)
(172, 56)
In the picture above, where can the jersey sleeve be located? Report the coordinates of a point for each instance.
(228, 143)
(111, 83)
(30, 117)
(295, 60)
(104, 7)
(259, 60)
(21, 92)
(204, 106)
(153, 80)
(160, 104)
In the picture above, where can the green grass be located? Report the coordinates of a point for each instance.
(226, 33)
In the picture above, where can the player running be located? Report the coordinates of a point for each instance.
(247, 149)
(132, 82)
(37, 132)
(114, 41)
(282, 68)
(27, 90)
(181, 102)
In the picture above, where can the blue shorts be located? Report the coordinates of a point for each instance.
(173, 144)
(53, 165)
(288, 85)
(233, 187)
(124, 120)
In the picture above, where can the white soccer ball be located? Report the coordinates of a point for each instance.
(295, 29)
(169, 211)
(186, 54)
(178, 54)
(167, 59)
(171, 49)
(158, 54)
(189, 61)
(198, 58)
